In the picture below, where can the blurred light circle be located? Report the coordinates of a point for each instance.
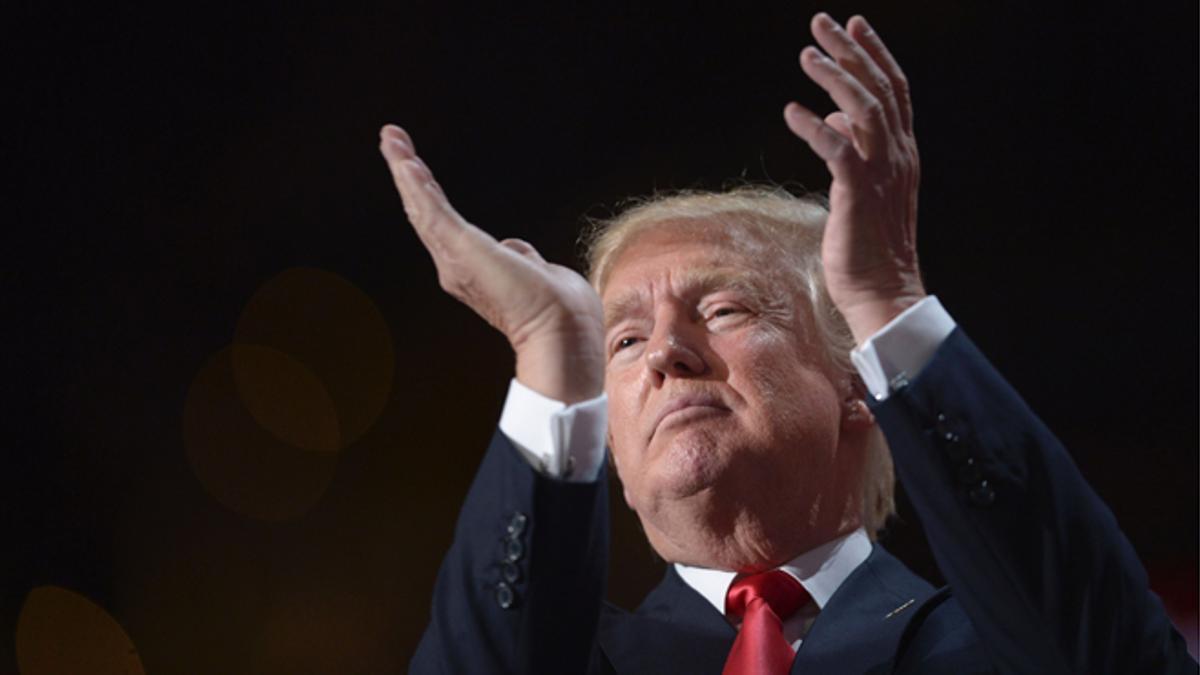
(238, 462)
(60, 631)
(323, 631)
(285, 398)
(318, 320)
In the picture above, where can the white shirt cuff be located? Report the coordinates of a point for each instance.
(560, 441)
(902, 348)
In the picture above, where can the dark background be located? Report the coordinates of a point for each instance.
(166, 163)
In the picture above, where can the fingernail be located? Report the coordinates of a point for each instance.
(867, 30)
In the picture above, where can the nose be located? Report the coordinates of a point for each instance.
(673, 351)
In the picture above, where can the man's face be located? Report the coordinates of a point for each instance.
(725, 425)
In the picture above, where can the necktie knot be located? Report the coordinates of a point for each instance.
(762, 602)
(778, 589)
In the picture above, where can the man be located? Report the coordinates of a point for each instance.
(718, 329)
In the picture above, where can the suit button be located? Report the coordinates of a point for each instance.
(969, 472)
(516, 524)
(505, 596)
(955, 449)
(982, 494)
(513, 550)
(510, 572)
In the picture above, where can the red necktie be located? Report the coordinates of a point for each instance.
(762, 602)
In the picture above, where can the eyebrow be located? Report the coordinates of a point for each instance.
(698, 282)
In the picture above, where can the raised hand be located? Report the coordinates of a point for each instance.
(550, 314)
(870, 247)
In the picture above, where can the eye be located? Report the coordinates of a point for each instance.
(623, 343)
(723, 311)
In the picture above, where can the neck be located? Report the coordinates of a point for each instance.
(741, 541)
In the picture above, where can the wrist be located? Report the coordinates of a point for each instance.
(866, 317)
(564, 367)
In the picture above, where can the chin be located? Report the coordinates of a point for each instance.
(691, 463)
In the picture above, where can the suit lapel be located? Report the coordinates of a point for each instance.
(860, 628)
(675, 630)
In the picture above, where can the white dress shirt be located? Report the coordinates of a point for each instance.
(567, 442)
(820, 571)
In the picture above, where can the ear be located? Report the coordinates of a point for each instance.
(628, 498)
(856, 416)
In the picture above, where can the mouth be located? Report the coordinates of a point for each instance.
(686, 409)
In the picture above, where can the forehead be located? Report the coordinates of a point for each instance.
(702, 242)
(690, 256)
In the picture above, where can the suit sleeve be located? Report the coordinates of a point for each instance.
(521, 588)
(1033, 555)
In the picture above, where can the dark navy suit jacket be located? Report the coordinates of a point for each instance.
(1041, 580)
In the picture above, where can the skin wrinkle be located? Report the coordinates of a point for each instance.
(754, 235)
(791, 228)
(728, 490)
(770, 305)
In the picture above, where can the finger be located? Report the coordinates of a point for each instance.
(866, 113)
(433, 218)
(834, 148)
(413, 180)
(840, 122)
(522, 247)
(866, 36)
(858, 63)
(393, 131)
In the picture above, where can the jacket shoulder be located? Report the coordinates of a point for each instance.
(941, 639)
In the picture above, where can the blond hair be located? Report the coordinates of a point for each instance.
(793, 226)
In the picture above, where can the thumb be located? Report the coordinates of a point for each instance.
(523, 248)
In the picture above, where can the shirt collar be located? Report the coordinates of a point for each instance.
(820, 571)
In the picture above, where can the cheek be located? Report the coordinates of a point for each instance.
(621, 414)
(623, 438)
(768, 367)
(795, 399)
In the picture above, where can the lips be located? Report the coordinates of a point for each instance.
(686, 402)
